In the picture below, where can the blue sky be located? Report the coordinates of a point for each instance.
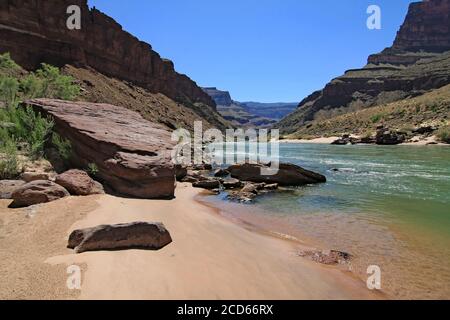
(260, 50)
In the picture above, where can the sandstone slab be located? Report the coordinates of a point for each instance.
(136, 235)
(133, 155)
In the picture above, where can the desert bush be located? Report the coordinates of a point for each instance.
(7, 63)
(63, 146)
(92, 169)
(56, 85)
(9, 88)
(376, 118)
(443, 134)
(23, 125)
(9, 164)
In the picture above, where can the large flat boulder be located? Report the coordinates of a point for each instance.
(35, 192)
(136, 235)
(133, 155)
(287, 174)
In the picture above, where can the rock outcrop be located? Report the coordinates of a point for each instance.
(287, 174)
(35, 192)
(417, 62)
(35, 32)
(7, 187)
(78, 183)
(133, 156)
(137, 235)
(222, 98)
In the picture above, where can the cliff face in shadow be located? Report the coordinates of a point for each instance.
(35, 31)
(416, 63)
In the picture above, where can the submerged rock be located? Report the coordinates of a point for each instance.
(136, 235)
(330, 257)
(287, 174)
(39, 191)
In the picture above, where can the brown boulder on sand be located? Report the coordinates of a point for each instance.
(136, 235)
(287, 174)
(133, 155)
(78, 183)
(39, 191)
(7, 187)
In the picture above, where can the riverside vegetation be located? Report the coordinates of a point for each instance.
(25, 134)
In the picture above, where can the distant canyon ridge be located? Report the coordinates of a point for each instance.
(405, 85)
(249, 114)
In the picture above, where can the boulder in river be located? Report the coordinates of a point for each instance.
(136, 235)
(286, 175)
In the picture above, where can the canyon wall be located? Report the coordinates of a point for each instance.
(35, 31)
(417, 62)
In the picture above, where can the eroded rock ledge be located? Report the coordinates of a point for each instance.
(133, 155)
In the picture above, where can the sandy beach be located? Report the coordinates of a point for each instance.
(210, 257)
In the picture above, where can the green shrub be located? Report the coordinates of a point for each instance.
(22, 129)
(9, 164)
(63, 146)
(7, 63)
(56, 85)
(92, 169)
(23, 125)
(376, 118)
(9, 88)
(443, 134)
(31, 87)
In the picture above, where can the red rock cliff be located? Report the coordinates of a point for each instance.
(35, 31)
(426, 27)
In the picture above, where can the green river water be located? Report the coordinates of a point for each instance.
(388, 206)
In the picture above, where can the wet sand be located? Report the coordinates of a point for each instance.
(210, 257)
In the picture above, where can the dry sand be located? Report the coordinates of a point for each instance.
(210, 257)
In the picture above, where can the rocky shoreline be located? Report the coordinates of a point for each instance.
(244, 182)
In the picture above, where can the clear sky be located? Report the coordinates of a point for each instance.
(260, 50)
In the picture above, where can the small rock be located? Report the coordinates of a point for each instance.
(221, 173)
(136, 235)
(232, 183)
(180, 172)
(39, 191)
(79, 183)
(33, 176)
(7, 187)
(273, 186)
(209, 184)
